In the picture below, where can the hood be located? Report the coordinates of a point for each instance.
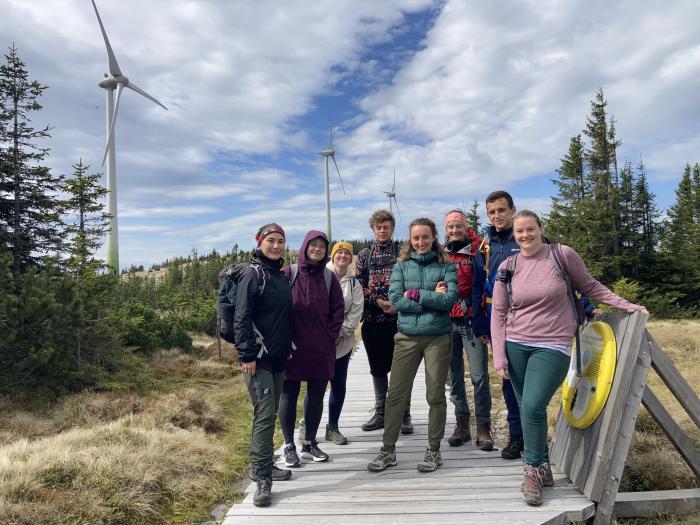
(348, 275)
(301, 260)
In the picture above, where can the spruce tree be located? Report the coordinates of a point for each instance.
(473, 218)
(30, 211)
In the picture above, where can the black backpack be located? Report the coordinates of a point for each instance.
(226, 296)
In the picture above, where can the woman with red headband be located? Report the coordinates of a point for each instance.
(263, 334)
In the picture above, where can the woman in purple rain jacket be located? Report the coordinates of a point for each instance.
(318, 311)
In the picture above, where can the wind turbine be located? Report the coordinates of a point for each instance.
(329, 153)
(392, 195)
(115, 80)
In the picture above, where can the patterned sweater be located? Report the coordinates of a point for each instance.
(373, 271)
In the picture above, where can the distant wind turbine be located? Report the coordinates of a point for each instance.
(392, 195)
(115, 80)
(329, 153)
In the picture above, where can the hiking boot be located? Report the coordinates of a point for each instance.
(311, 451)
(546, 475)
(376, 421)
(532, 490)
(333, 435)
(385, 459)
(279, 474)
(461, 433)
(302, 432)
(406, 424)
(484, 439)
(290, 456)
(431, 462)
(263, 493)
(514, 448)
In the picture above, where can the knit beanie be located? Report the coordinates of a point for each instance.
(341, 245)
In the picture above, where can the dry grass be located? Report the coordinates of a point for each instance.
(105, 458)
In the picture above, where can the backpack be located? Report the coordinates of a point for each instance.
(576, 306)
(327, 276)
(226, 296)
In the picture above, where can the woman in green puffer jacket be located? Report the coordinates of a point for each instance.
(423, 288)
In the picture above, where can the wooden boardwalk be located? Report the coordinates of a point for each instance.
(472, 486)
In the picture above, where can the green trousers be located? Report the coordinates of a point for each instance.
(536, 374)
(409, 351)
(264, 388)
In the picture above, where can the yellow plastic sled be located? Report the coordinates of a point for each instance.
(583, 398)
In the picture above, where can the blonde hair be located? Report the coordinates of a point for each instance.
(408, 248)
(380, 216)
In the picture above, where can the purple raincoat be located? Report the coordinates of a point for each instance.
(316, 318)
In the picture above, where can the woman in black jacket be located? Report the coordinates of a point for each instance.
(263, 335)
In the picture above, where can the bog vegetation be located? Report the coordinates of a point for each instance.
(69, 326)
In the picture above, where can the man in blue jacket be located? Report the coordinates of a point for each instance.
(494, 249)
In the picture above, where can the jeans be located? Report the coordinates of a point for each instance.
(463, 340)
(264, 389)
(536, 374)
(409, 351)
(515, 428)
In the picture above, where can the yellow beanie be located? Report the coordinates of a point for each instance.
(341, 245)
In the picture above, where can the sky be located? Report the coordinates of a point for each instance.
(459, 98)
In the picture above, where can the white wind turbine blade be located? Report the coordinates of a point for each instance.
(339, 177)
(110, 137)
(393, 185)
(144, 94)
(113, 66)
(397, 207)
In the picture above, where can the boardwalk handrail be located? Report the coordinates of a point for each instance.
(594, 458)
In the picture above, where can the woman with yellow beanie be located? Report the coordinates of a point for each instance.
(341, 257)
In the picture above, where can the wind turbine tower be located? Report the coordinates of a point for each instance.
(115, 80)
(329, 153)
(392, 195)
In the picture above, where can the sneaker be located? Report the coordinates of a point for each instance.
(290, 456)
(376, 420)
(461, 433)
(333, 435)
(532, 491)
(513, 449)
(406, 424)
(311, 451)
(302, 432)
(484, 439)
(279, 474)
(431, 462)
(263, 493)
(385, 459)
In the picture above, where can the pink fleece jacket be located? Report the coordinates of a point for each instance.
(541, 310)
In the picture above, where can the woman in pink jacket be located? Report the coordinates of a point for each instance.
(532, 337)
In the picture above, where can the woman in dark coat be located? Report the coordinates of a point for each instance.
(318, 311)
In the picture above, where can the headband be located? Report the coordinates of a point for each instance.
(456, 216)
(273, 228)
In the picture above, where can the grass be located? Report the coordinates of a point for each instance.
(165, 456)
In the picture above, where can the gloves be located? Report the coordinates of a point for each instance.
(413, 294)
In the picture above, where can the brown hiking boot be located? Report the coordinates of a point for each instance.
(484, 439)
(532, 489)
(546, 474)
(461, 433)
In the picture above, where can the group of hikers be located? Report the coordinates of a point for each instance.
(427, 301)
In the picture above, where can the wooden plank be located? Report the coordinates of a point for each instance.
(675, 382)
(684, 445)
(609, 478)
(654, 502)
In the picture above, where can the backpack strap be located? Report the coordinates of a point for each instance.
(555, 250)
(485, 249)
(510, 268)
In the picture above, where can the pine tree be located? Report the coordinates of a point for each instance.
(90, 220)
(473, 216)
(30, 212)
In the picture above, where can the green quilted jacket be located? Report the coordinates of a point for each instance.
(430, 315)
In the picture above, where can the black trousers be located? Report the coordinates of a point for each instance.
(315, 391)
(379, 344)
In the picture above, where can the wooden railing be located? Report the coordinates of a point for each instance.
(594, 458)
